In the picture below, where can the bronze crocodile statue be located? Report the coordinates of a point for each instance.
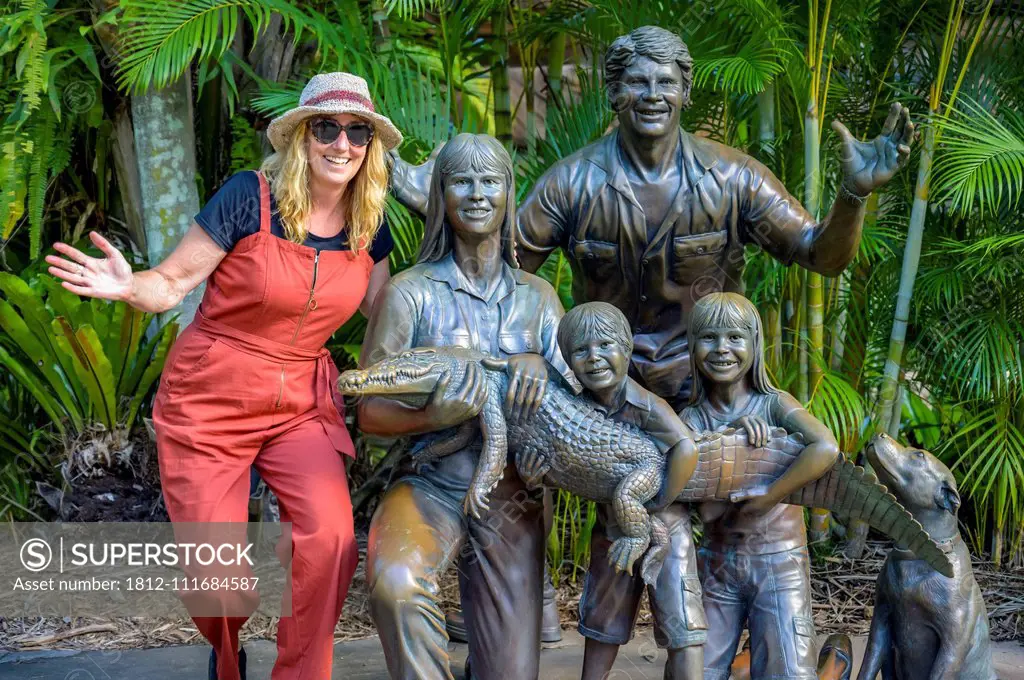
(576, 447)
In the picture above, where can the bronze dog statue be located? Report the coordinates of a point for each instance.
(926, 626)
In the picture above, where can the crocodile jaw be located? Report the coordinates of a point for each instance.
(387, 383)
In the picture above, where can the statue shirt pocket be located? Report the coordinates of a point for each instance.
(696, 255)
(518, 343)
(450, 338)
(599, 259)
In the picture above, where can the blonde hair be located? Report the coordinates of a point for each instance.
(728, 310)
(288, 174)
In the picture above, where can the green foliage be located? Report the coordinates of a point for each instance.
(246, 153)
(53, 72)
(569, 540)
(85, 363)
(571, 124)
(982, 161)
(161, 39)
(557, 272)
(22, 451)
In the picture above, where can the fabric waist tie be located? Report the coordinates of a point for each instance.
(326, 373)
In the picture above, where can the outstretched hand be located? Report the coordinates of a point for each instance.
(109, 278)
(869, 165)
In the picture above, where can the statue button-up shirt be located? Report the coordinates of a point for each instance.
(433, 304)
(655, 273)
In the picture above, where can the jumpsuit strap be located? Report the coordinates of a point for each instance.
(264, 202)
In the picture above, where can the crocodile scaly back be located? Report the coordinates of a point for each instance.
(853, 492)
(589, 453)
(727, 463)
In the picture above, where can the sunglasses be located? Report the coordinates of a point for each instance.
(327, 131)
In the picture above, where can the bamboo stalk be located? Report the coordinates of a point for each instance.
(811, 372)
(556, 59)
(887, 394)
(499, 77)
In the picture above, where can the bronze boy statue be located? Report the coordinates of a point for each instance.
(595, 339)
(754, 562)
(467, 291)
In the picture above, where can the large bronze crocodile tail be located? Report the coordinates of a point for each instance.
(852, 492)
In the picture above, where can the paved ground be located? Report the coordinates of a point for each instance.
(361, 660)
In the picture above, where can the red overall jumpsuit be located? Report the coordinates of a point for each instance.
(249, 382)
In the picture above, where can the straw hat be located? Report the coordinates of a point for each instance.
(331, 94)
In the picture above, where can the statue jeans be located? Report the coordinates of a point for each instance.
(770, 593)
(417, 531)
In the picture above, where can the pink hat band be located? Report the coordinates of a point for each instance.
(332, 94)
(339, 96)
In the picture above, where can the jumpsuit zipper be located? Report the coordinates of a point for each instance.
(310, 306)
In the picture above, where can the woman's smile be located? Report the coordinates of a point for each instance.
(478, 213)
(337, 160)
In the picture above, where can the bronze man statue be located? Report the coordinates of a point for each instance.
(651, 219)
(467, 291)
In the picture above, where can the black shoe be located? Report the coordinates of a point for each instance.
(213, 663)
(835, 661)
(456, 625)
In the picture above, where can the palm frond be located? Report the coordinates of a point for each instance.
(161, 39)
(746, 71)
(981, 159)
(840, 407)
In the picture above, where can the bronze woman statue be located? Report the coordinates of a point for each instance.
(466, 290)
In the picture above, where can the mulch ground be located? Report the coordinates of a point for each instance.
(843, 597)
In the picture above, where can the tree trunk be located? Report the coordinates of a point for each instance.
(122, 147)
(911, 260)
(381, 30)
(556, 60)
(499, 77)
(766, 123)
(166, 146)
(773, 337)
(213, 128)
(126, 169)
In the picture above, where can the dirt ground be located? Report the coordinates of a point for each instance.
(843, 595)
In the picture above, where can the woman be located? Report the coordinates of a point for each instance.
(249, 381)
(466, 290)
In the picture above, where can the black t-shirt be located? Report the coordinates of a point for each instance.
(234, 213)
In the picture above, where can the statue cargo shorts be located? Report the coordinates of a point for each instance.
(770, 594)
(611, 600)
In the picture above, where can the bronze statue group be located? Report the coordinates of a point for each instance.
(653, 221)
(502, 394)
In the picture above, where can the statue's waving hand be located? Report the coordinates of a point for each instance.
(868, 165)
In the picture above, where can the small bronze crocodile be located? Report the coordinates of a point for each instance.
(572, 445)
